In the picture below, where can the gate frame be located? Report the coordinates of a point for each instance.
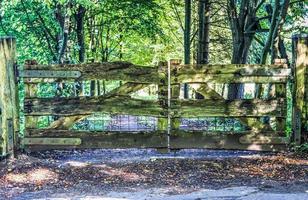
(9, 100)
(300, 90)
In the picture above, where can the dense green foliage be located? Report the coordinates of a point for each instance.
(140, 31)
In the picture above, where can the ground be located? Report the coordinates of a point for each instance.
(147, 174)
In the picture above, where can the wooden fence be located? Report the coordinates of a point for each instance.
(168, 108)
(167, 111)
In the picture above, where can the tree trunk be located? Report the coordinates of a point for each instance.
(187, 32)
(80, 32)
(204, 37)
(63, 21)
(275, 43)
(243, 28)
(204, 29)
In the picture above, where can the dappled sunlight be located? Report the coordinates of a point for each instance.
(274, 167)
(281, 159)
(254, 147)
(36, 176)
(127, 176)
(77, 164)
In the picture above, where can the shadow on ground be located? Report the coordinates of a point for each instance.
(147, 174)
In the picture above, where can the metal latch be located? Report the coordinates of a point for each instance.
(49, 74)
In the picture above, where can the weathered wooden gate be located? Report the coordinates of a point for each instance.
(62, 110)
(172, 122)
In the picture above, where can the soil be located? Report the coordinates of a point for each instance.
(116, 172)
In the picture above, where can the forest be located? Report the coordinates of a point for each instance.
(146, 32)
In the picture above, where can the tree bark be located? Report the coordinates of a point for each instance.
(204, 37)
(243, 26)
(80, 32)
(187, 43)
(204, 30)
(62, 37)
(275, 43)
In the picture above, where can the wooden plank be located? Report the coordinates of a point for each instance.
(281, 92)
(52, 141)
(243, 70)
(226, 78)
(10, 136)
(156, 139)
(228, 108)
(222, 141)
(33, 133)
(30, 92)
(111, 140)
(107, 71)
(126, 105)
(261, 139)
(163, 98)
(175, 94)
(75, 133)
(90, 105)
(135, 73)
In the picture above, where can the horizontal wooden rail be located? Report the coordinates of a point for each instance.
(49, 133)
(141, 74)
(179, 108)
(107, 71)
(90, 105)
(226, 78)
(37, 133)
(229, 108)
(244, 70)
(53, 139)
(110, 140)
(225, 141)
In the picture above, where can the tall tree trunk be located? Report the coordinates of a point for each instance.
(187, 33)
(273, 21)
(203, 36)
(63, 20)
(276, 40)
(79, 17)
(242, 23)
(80, 32)
(204, 29)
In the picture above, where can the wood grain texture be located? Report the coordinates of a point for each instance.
(301, 66)
(91, 105)
(228, 108)
(8, 93)
(156, 139)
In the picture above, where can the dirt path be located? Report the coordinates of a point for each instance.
(146, 174)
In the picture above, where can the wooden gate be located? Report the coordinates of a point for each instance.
(171, 121)
(143, 107)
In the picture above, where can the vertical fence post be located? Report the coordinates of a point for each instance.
(8, 95)
(281, 93)
(163, 98)
(300, 61)
(175, 93)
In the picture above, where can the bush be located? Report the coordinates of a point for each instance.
(302, 148)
